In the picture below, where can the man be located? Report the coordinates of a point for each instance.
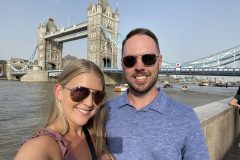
(144, 123)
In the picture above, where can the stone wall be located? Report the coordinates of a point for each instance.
(221, 125)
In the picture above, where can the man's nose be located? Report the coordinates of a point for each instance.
(139, 64)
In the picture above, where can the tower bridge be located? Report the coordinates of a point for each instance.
(101, 45)
(103, 48)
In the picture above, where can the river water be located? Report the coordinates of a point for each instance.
(24, 107)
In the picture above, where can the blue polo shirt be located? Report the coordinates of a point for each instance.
(162, 130)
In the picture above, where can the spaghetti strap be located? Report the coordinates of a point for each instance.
(90, 143)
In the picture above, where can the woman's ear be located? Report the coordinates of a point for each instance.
(58, 92)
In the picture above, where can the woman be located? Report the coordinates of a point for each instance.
(74, 130)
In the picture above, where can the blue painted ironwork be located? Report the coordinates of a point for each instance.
(25, 67)
(189, 71)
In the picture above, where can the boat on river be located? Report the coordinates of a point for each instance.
(167, 85)
(185, 88)
(203, 83)
(120, 88)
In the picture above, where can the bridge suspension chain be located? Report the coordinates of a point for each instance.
(30, 61)
(216, 60)
(109, 37)
(114, 41)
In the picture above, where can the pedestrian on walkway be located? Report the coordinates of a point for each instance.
(145, 123)
(235, 101)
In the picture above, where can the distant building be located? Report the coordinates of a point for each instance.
(17, 63)
(3, 70)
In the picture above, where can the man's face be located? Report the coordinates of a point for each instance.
(141, 78)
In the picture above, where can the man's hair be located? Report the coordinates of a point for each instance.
(141, 31)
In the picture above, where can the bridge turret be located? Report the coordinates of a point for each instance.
(101, 50)
(49, 52)
(51, 27)
(104, 4)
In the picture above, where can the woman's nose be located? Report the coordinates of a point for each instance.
(89, 100)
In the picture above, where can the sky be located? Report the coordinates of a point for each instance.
(187, 29)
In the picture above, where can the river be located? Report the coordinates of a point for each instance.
(24, 107)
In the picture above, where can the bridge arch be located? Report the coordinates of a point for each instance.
(51, 66)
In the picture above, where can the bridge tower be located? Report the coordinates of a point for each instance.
(49, 51)
(102, 50)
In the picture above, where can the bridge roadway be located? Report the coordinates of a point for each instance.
(169, 71)
(74, 32)
(189, 71)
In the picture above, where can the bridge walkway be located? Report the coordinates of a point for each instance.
(234, 152)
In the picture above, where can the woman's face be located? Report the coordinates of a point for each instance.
(78, 113)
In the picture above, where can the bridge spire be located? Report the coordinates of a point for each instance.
(103, 2)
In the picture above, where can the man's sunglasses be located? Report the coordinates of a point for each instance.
(147, 59)
(78, 94)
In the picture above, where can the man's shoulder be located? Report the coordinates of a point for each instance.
(178, 108)
(178, 105)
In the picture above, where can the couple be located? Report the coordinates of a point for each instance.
(143, 123)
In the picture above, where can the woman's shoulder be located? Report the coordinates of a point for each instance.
(40, 147)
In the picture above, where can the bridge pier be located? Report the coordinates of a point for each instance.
(35, 75)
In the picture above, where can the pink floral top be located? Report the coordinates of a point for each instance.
(66, 154)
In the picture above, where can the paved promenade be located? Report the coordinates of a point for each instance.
(234, 151)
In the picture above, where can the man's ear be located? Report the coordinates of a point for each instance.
(58, 92)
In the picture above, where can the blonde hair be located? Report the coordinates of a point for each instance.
(95, 125)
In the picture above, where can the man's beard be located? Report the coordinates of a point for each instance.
(138, 91)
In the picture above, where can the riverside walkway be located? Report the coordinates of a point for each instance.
(234, 152)
(221, 127)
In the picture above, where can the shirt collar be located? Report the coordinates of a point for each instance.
(158, 104)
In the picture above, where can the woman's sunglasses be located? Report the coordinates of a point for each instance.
(147, 59)
(78, 94)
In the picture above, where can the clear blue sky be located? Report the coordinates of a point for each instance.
(187, 29)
